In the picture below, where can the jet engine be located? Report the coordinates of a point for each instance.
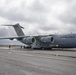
(29, 40)
(47, 39)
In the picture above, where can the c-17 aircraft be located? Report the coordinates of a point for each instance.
(44, 41)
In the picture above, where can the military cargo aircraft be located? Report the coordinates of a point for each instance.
(44, 41)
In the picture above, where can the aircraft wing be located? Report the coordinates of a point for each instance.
(14, 37)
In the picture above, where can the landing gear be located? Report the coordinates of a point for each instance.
(42, 48)
(27, 47)
(47, 48)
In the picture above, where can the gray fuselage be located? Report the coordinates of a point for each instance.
(58, 41)
(65, 41)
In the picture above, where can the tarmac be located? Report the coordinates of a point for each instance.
(17, 61)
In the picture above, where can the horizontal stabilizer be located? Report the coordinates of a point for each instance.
(17, 28)
(13, 25)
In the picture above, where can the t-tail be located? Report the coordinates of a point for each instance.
(18, 29)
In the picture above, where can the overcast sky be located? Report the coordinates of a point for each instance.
(38, 16)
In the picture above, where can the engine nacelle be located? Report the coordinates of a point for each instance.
(29, 40)
(47, 39)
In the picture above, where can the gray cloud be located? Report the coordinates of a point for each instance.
(69, 16)
(39, 7)
(4, 32)
(48, 27)
(35, 13)
(12, 14)
(40, 15)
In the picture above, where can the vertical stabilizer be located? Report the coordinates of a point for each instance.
(18, 29)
